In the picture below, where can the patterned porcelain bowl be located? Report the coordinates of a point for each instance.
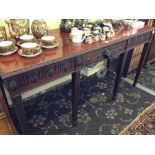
(6, 46)
(30, 48)
(48, 40)
(26, 38)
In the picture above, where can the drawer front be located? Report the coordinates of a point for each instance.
(28, 80)
(92, 58)
(140, 39)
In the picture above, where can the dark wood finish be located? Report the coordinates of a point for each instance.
(21, 74)
(119, 71)
(20, 112)
(151, 55)
(142, 59)
(75, 95)
(127, 64)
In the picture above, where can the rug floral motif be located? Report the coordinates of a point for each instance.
(147, 77)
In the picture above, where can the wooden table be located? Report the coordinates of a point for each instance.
(19, 74)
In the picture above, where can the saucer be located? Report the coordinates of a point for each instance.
(20, 52)
(14, 50)
(50, 46)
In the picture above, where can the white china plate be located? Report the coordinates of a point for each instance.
(20, 52)
(9, 52)
(50, 47)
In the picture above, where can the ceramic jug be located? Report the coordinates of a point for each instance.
(18, 27)
(39, 28)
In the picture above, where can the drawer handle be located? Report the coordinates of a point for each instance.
(50, 71)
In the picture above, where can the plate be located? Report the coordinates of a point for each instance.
(14, 50)
(20, 52)
(50, 47)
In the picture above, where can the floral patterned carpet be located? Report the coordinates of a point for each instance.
(50, 113)
(147, 77)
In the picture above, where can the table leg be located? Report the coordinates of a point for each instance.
(127, 62)
(75, 95)
(21, 115)
(141, 63)
(119, 70)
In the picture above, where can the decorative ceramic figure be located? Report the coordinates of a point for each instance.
(39, 28)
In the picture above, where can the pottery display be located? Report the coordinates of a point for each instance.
(18, 27)
(3, 35)
(39, 28)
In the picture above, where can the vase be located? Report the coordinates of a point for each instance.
(39, 28)
(18, 27)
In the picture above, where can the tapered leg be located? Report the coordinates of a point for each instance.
(75, 95)
(119, 70)
(141, 63)
(21, 115)
(127, 63)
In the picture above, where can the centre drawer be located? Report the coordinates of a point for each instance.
(90, 59)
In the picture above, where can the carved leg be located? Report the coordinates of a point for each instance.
(21, 115)
(118, 75)
(127, 63)
(75, 95)
(141, 63)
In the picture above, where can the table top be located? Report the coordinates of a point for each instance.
(66, 48)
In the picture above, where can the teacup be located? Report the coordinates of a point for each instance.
(30, 48)
(48, 40)
(6, 45)
(77, 36)
(26, 38)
